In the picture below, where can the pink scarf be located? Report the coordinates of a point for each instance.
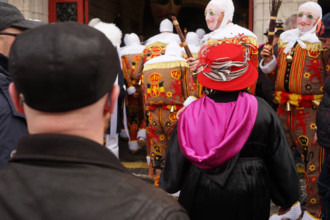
(212, 133)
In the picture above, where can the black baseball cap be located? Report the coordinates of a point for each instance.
(63, 66)
(323, 27)
(10, 16)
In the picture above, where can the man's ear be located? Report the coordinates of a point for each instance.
(15, 98)
(112, 99)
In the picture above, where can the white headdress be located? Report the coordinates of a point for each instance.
(111, 31)
(192, 38)
(318, 8)
(166, 25)
(200, 32)
(295, 35)
(228, 7)
(132, 39)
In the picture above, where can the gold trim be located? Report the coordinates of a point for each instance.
(273, 18)
(165, 65)
(135, 165)
(310, 46)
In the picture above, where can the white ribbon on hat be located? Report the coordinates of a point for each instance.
(221, 70)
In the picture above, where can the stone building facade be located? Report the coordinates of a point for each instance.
(129, 13)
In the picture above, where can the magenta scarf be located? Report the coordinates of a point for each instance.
(211, 133)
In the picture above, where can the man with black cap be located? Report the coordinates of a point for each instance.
(12, 124)
(61, 170)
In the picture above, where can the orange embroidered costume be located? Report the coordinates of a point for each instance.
(132, 61)
(300, 76)
(167, 84)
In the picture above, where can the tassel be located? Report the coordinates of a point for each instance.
(288, 107)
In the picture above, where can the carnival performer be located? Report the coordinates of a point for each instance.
(131, 59)
(219, 15)
(300, 76)
(167, 86)
(155, 46)
(166, 34)
(229, 148)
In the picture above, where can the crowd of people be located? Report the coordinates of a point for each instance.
(223, 126)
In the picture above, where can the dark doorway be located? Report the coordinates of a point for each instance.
(192, 18)
(325, 5)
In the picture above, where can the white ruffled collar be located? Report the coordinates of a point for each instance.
(131, 49)
(231, 30)
(293, 36)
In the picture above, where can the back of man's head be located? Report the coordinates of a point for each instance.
(63, 66)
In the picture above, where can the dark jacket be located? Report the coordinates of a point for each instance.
(323, 113)
(242, 187)
(67, 177)
(12, 123)
(265, 86)
(323, 116)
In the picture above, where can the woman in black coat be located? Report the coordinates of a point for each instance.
(228, 154)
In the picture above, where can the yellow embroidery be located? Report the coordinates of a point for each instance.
(307, 75)
(175, 74)
(313, 201)
(312, 126)
(312, 167)
(162, 137)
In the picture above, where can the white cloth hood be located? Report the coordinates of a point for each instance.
(133, 45)
(111, 31)
(166, 25)
(132, 39)
(200, 32)
(164, 38)
(295, 35)
(228, 7)
(192, 39)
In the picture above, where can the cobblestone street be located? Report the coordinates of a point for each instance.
(136, 163)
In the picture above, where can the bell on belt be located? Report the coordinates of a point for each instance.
(316, 103)
(288, 107)
(289, 58)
